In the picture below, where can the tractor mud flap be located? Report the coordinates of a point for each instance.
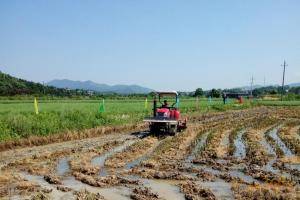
(150, 120)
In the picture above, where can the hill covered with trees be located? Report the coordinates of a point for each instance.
(10, 86)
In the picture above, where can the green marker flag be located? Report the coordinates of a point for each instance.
(209, 99)
(102, 107)
(177, 103)
(36, 108)
(146, 104)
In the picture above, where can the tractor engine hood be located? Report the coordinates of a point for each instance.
(163, 112)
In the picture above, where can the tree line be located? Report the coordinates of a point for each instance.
(257, 92)
(11, 86)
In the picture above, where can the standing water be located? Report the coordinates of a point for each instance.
(240, 149)
(263, 142)
(268, 167)
(55, 194)
(100, 160)
(282, 146)
(164, 189)
(63, 167)
(142, 158)
(220, 188)
(118, 192)
(199, 145)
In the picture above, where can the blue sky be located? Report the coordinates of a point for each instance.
(164, 45)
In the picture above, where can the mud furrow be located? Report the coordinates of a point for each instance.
(265, 191)
(64, 147)
(278, 143)
(223, 147)
(99, 161)
(131, 153)
(289, 135)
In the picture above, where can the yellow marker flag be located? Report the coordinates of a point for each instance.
(36, 108)
(146, 103)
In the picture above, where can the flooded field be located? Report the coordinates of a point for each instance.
(246, 154)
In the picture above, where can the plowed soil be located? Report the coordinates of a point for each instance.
(246, 154)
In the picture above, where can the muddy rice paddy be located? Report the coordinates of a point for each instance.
(248, 154)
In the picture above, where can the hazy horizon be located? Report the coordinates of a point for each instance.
(162, 45)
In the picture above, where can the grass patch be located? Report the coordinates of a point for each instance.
(18, 120)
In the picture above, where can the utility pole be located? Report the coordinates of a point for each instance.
(264, 81)
(283, 76)
(251, 86)
(43, 87)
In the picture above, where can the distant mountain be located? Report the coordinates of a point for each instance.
(247, 88)
(10, 86)
(89, 85)
(294, 85)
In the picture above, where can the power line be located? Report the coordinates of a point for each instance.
(283, 76)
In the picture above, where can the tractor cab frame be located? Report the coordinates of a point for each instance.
(165, 119)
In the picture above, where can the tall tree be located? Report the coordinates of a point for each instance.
(215, 93)
(199, 92)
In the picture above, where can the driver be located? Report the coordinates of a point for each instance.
(165, 104)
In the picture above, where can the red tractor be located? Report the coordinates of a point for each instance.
(166, 118)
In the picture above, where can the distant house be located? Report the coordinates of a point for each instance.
(90, 92)
(237, 94)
